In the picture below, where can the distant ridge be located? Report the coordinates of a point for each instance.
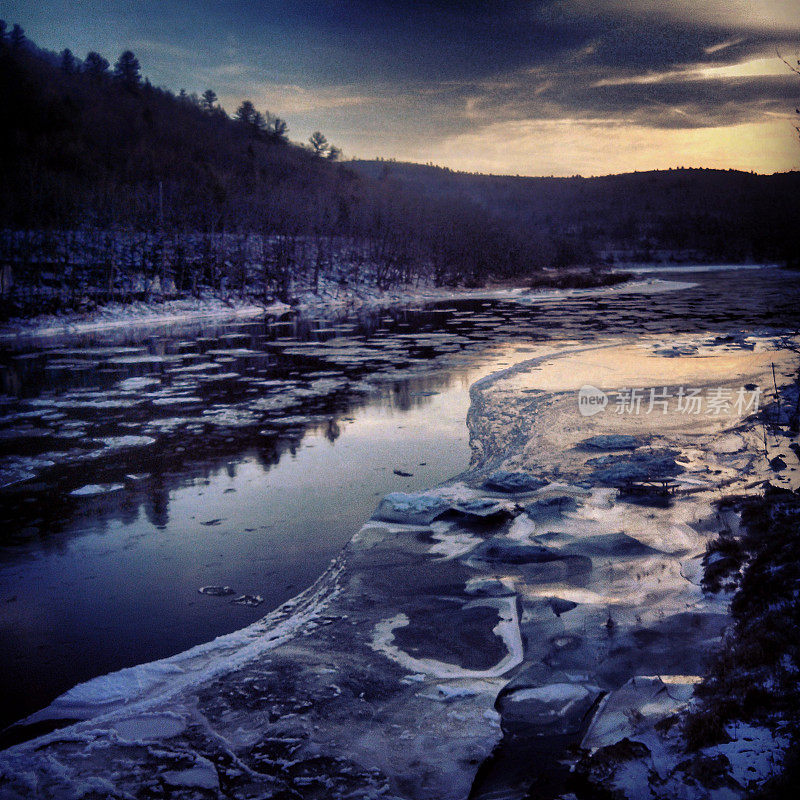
(702, 213)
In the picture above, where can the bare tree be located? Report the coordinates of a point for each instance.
(796, 69)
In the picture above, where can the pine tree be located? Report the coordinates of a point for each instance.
(127, 69)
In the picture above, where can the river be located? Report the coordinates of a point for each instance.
(141, 466)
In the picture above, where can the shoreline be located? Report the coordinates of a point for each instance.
(185, 312)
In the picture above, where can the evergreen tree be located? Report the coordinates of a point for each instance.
(95, 65)
(67, 61)
(127, 69)
(319, 144)
(208, 100)
(246, 113)
(17, 37)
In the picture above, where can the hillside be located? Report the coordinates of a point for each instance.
(88, 145)
(110, 183)
(695, 214)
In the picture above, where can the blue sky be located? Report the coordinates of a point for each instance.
(522, 87)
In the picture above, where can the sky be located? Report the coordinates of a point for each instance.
(520, 87)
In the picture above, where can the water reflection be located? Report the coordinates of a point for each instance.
(131, 504)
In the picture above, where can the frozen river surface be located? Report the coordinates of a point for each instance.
(139, 467)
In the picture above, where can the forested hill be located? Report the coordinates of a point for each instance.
(692, 213)
(84, 142)
(91, 147)
(111, 187)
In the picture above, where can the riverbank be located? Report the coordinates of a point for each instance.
(329, 300)
(547, 602)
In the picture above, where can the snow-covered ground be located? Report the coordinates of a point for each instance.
(690, 269)
(118, 315)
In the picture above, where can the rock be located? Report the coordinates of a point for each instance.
(403, 474)
(503, 481)
(411, 509)
(612, 441)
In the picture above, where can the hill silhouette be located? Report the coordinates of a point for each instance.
(689, 214)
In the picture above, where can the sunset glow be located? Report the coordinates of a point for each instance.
(531, 88)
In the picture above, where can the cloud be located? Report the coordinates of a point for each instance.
(769, 15)
(400, 76)
(163, 49)
(293, 99)
(716, 48)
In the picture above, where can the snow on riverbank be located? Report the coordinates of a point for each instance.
(330, 299)
(118, 315)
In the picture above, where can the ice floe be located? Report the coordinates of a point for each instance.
(135, 384)
(128, 440)
(507, 629)
(216, 591)
(96, 489)
(512, 482)
(414, 509)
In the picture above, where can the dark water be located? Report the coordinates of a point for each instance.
(246, 455)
